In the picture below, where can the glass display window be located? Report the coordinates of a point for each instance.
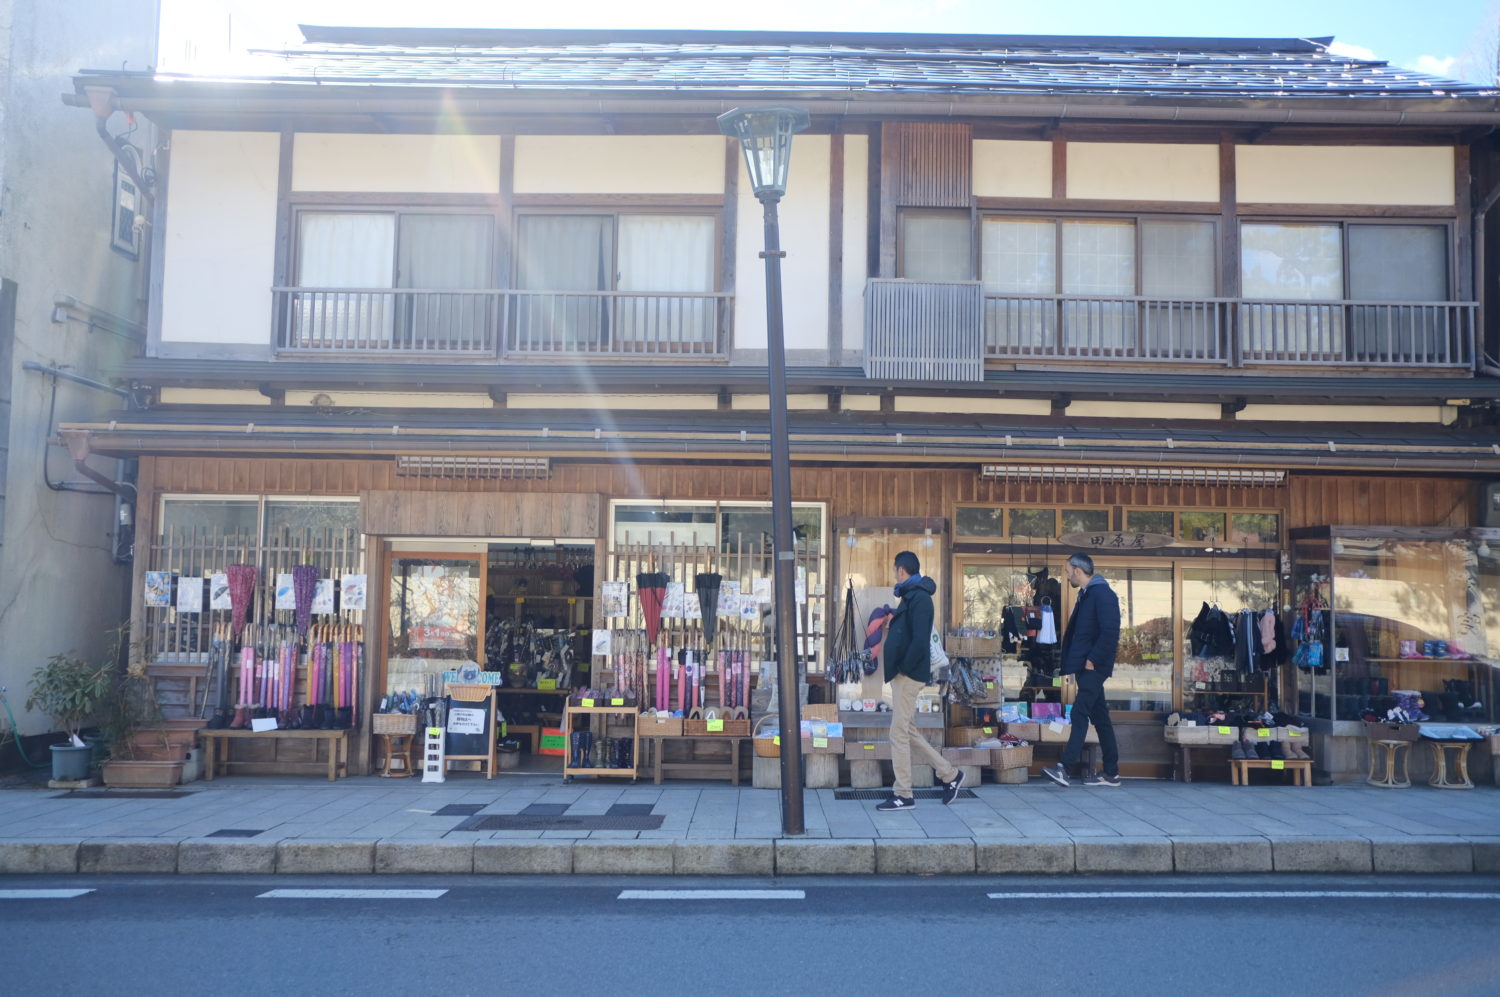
(1412, 622)
(436, 617)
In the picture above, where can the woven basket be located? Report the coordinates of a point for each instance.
(765, 747)
(469, 693)
(658, 726)
(821, 712)
(393, 723)
(694, 727)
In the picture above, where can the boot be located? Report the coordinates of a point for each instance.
(241, 719)
(586, 755)
(220, 720)
(573, 754)
(345, 718)
(628, 750)
(325, 717)
(1238, 751)
(1277, 753)
(308, 719)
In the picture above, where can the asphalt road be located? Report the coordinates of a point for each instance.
(869, 936)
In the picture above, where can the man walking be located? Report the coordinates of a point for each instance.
(1088, 651)
(907, 654)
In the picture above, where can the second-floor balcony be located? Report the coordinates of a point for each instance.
(494, 324)
(916, 329)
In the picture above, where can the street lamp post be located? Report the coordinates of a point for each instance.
(765, 135)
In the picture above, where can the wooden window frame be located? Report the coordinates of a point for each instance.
(615, 211)
(394, 208)
(1344, 223)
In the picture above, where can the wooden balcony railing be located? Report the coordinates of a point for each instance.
(490, 324)
(913, 319)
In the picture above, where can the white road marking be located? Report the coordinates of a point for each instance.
(712, 895)
(1249, 895)
(351, 895)
(41, 894)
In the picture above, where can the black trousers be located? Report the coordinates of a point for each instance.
(1089, 708)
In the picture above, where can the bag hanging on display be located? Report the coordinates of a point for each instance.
(938, 656)
(1047, 633)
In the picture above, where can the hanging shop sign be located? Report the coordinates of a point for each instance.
(1116, 540)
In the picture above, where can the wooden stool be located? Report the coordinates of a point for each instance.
(396, 748)
(1440, 778)
(1393, 759)
(1301, 769)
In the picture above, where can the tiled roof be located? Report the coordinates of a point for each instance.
(653, 61)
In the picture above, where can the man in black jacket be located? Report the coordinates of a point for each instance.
(1088, 652)
(907, 653)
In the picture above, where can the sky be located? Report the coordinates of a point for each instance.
(1451, 38)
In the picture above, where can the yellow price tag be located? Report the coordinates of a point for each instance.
(1263, 732)
(776, 740)
(617, 701)
(434, 732)
(1293, 733)
(588, 702)
(1224, 730)
(716, 726)
(820, 742)
(988, 730)
(572, 602)
(520, 600)
(1278, 764)
(1057, 683)
(546, 684)
(504, 729)
(989, 684)
(869, 747)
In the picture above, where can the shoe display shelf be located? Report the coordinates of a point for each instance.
(621, 715)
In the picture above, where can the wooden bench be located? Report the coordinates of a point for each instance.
(1301, 769)
(701, 767)
(217, 762)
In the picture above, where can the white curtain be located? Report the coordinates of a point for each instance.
(352, 250)
(445, 252)
(666, 253)
(562, 253)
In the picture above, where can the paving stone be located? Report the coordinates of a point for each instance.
(1028, 856)
(1321, 855)
(139, 855)
(1486, 854)
(622, 858)
(1124, 855)
(424, 857)
(315, 857)
(742, 857)
(928, 857)
(1422, 855)
(825, 856)
(523, 858)
(38, 857)
(1228, 855)
(225, 855)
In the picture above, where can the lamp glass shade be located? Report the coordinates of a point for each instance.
(765, 133)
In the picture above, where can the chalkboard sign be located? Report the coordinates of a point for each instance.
(470, 732)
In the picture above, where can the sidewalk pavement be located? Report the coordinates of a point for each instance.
(373, 825)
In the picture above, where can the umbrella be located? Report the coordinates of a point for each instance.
(708, 584)
(651, 589)
(304, 583)
(241, 589)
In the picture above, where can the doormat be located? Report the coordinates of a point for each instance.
(630, 809)
(459, 810)
(560, 822)
(233, 832)
(123, 794)
(546, 809)
(882, 794)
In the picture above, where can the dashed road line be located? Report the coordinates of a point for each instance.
(42, 894)
(1246, 895)
(351, 895)
(712, 895)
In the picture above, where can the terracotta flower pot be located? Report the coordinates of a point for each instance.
(142, 775)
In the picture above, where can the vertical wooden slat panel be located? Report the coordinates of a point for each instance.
(929, 164)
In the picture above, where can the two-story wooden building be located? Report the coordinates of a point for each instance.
(487, 305)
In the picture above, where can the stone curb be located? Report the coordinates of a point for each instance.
(757, 857)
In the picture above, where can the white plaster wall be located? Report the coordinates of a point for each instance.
(60, 590)
(804, 238)
(856, 238)
(620, 164)
(1005, 168)
(1344, 174)
(1144, 171)
(221, 238)
(424, 164)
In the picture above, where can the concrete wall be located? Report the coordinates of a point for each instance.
(59, 588)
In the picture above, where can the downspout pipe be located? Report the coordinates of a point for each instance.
(77, 442)
(67, 375)
(1481, 359)
(103, 102)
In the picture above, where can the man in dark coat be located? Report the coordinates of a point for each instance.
(907, 654)
(1088, 653)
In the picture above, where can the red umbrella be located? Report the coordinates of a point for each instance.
(651, 589)
(241, 589)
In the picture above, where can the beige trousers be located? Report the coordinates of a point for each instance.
(906, 743)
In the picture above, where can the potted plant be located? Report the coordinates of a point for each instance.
(71, 691)
(142, 751)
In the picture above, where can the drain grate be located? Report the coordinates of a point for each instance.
(233, 832)
(459, 810)
(123, 794)
(541, 822)
(880, 794)
(546, 809)
(630, 809)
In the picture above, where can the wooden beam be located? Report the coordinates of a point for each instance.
(1059, 168)
(835, 249)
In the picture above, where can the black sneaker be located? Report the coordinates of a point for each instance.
(1057, 774)
(1100, 779)
(898, 803)
(950, 789)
